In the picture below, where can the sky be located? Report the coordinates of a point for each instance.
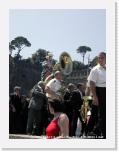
(59, 30)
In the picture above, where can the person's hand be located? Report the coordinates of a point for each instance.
(13, 109)
(95, 101)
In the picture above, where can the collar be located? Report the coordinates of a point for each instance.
(57, 80)
(101, 67)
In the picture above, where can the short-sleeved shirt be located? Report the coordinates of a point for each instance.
(98, 76)
(54, 85)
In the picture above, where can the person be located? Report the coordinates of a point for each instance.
(47, 67)
(76, 102)
(67, 103)
(53, 87)
(97, 81)
(15, 107)
(86, 113)
(59, 126)
(22, 124)
(80, 87)
(37, 106)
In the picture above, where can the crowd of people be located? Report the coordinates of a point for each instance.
(50, 113)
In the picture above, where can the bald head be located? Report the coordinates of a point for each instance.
(58, 75)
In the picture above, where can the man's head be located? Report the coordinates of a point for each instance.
(80, 86)
(17, 89)
(49, 56)
(102, 58)
(71, 87)
(58, 75)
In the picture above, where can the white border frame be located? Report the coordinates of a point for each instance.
(108, 143)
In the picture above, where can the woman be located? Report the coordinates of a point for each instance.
(59, 126)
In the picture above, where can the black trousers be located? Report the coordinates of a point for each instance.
(76, 115)
(92, 121)
(13, 122)
(97, 122)
(101, 94)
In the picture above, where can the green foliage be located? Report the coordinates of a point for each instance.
(82, 50)
(11, 48)
(94, 61)
(19, 43)
(23, 73)
(77, 65)
(56, 67)
(39, 56)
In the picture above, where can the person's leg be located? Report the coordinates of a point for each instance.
(38, 128)
(93, 120)
(30, 121)
(74, 123)
(14, 125)
(44, 120)
(102, 123)
(82, 123)
(101, 92)
(11, 115)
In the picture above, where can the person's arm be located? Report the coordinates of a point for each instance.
(11, 103)
(64, 126)
(87, 91)
(92, 79)
(93, 91)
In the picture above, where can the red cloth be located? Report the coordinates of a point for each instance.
(53, 129)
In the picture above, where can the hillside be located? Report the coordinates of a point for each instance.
(23, 73)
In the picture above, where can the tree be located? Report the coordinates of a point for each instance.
(78, 65)
(11, 48)
(39, 56)
(19, 43)
(94, 61)
(82, 50)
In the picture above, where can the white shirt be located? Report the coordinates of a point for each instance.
(98, 76)
(54, 85)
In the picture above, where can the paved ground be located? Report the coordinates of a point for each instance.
(18, 136)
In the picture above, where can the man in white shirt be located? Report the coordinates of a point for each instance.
(53, 86)
(97, 82)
